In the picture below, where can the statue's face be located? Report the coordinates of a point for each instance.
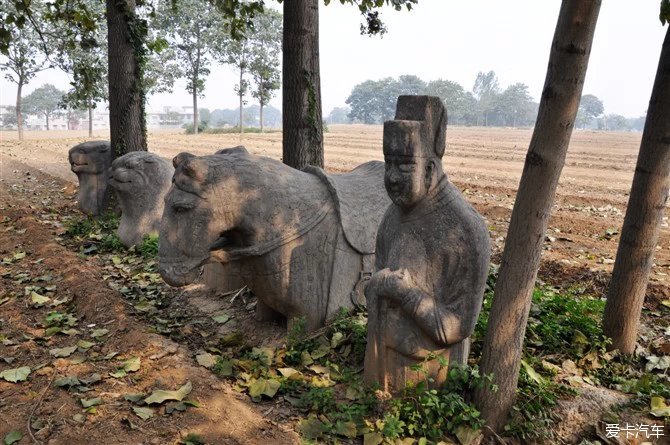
(90, 157)
(140, 173)
(405, 180)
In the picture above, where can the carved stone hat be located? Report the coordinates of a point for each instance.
(419, 128)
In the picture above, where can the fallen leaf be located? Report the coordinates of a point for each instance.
(16, 375)
(313, 428)
(99, 333)
(206, 359)
(263, 386)
(160, 396)
(63, 352)
(87, 403)
(135, 397)
(346, 429)
(654, 362)
(373, 438)
(143, 412)
(38, 300)
(132, 364)
(659, 408)
(68, 381)
(85, 345)
(336, 339)
(289, 372)
(467, 436)
(221, 318)
(13, 437)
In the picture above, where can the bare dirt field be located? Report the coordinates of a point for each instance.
(37, 189)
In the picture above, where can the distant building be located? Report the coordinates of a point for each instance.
(170, 117)
(167, 117)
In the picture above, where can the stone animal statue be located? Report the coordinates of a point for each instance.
(90, 161)
(140, 180)
(432, 256)
(303, 241)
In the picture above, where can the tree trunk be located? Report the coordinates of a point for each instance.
(126, 99)
(90, 121)
(503, 344)
(46, 115)
(19, 116)
(644, 215)
(195, 108)
(301, 85)
(261, 115)
(241, 91)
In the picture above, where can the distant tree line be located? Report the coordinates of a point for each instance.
(373, 102)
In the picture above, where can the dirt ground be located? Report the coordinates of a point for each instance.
(36, 184)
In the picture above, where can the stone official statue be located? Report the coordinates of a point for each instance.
(432, 255)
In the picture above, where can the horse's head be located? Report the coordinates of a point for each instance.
(140, 174)
(91, 157)
(90, 162)
(204, 212)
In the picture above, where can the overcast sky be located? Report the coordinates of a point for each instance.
(454, 40)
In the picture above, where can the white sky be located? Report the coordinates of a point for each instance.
(454, 40)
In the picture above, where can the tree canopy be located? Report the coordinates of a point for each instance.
(373, 102)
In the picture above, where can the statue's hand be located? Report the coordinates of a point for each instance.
(394, 284)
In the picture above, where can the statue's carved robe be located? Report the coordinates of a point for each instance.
(444, 244)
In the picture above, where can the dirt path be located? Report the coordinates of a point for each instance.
(77, 292)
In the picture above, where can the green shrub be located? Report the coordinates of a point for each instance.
(149, 246)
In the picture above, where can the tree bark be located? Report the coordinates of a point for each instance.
(90, 121)
(195, 109)
(644, 216)
(301, 85)
(46, 115)
(19, 115)
(241, 91)
(503, 344)
(126, 99)
(261, 115)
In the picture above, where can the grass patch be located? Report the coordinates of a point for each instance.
(95, 235)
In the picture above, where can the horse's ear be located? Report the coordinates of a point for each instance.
(231, 150)
(181, 158)
(195, 169)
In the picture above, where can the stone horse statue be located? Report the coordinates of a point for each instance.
(304, 241)
(90, 161)
(140, 180)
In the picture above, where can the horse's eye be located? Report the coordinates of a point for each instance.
(181, 208)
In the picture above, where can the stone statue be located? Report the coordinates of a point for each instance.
(432, 255)
(302, 241)
(141, 180)
(90, 161)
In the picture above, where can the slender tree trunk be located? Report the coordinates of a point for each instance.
(241, 91)
(301, 85)
(126, 99)
(19, 115)
(261, 115)
(195, 108)
(644, 215)
(90, 120)
(568, 61)
(46, 115)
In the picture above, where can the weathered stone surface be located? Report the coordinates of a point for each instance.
(140, 180)
(301, 239)
(90, 161)
(432, 255)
